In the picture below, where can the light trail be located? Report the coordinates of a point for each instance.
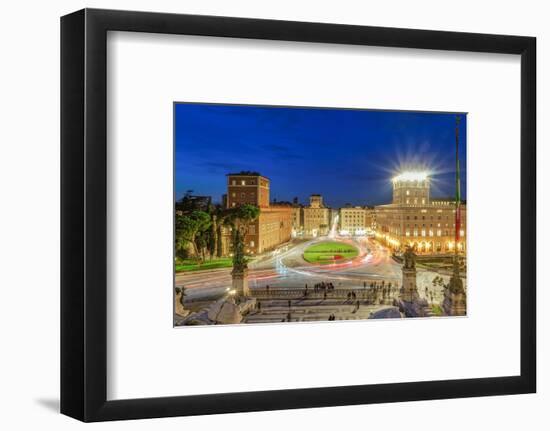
(332, 233)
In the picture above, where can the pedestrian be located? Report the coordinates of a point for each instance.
(259, 306)
(289, 303)
(325, 295)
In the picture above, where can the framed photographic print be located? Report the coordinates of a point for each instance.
(262, 215)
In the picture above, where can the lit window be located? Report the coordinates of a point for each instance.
(461, 232)
(438, 232)
(408, 193)
(243, 182)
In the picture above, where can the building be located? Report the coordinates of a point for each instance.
(274, 224)
(316, 217)
(247, 188)
(370, 219)
(415, 218)
(353, 221)
(297, 219)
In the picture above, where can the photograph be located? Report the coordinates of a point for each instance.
(309, 214)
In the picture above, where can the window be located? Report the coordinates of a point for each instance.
(408, 193)
(243, 182)
(233, 182)
(251, 243)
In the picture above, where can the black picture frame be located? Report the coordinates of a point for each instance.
(84, 214)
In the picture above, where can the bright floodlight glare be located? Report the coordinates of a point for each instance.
(412, 176)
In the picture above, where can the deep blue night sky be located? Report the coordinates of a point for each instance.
(348, 156)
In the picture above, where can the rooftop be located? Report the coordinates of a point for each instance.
(412, 176)
(246, 174)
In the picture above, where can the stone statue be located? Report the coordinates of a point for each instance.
(409, 258)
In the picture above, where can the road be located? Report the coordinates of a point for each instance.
(286, 267)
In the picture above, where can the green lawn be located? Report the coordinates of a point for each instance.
(193, 265)
(330, 252)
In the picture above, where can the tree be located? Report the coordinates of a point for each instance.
(212, 237)
(218, 215)
(189, 227)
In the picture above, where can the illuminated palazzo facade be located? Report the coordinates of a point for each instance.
(415, 218)
(316, 217)
(274, 224)
(353, 220)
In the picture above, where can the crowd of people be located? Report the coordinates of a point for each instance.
(322, 286)
(377, 292)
